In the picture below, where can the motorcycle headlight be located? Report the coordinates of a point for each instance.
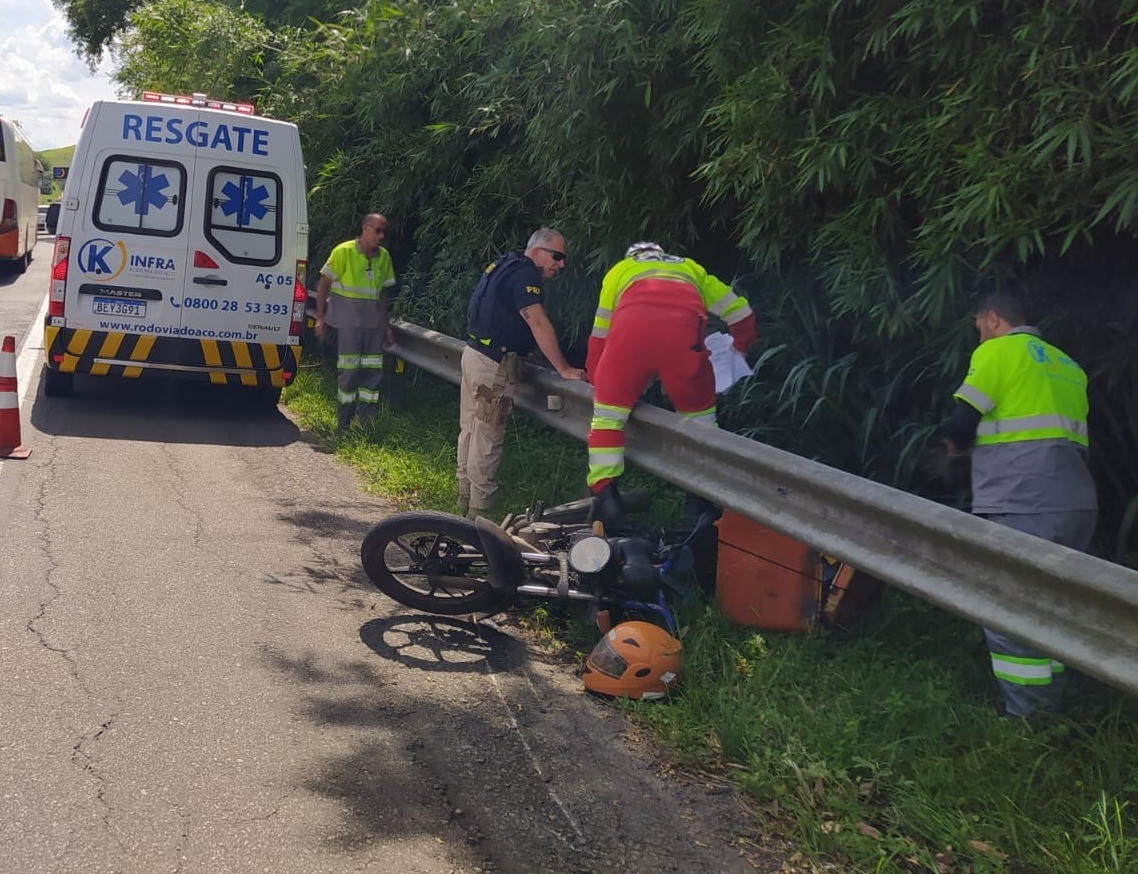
(590, 555)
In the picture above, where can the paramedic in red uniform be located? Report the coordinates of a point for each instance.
(650, 322)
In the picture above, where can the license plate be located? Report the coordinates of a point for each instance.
(109, 306)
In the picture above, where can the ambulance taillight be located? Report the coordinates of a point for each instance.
(58, 288)
(299, 299)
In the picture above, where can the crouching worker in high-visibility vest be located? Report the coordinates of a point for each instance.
(1024, 405)
(650, 322)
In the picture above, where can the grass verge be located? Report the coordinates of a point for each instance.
(875, 749)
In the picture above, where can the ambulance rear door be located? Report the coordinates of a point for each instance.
(128, 247)
(243, 215)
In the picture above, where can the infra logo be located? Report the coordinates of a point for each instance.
(102, 258)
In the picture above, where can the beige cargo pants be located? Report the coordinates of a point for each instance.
(486, 399)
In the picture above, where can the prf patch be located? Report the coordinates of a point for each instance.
(533, 289)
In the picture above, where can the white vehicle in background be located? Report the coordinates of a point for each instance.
(181, 247)
(20, 174)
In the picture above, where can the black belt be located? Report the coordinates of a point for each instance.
(494, 353)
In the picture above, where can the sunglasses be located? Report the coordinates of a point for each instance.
(553, 253)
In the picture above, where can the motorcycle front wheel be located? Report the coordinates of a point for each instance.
(431, 562)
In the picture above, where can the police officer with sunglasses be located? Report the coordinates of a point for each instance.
(505, 319)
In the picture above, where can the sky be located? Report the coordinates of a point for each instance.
(44, 85)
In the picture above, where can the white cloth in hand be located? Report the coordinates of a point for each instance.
(729, 364)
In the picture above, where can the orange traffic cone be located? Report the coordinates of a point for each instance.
(10, 404)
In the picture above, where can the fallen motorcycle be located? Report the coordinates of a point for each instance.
(446, 565)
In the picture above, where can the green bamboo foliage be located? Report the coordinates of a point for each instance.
(872, 163)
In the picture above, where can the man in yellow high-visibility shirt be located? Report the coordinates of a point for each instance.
(352, 296)
(1023, 406)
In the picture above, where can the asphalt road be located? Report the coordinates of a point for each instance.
(22, 294)
(198, 678)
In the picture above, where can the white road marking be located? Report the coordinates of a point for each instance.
(569, 818)
(29, 356)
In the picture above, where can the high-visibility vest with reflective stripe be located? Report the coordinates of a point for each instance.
(717, 296)
(1025, 389)
(356, 276)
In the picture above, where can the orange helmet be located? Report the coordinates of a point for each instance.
(634, 660)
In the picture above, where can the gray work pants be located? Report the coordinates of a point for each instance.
(359, 369)
(1032, 682)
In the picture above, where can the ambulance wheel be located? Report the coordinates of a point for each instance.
(57, 384)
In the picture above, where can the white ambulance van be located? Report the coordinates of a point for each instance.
(181, 249)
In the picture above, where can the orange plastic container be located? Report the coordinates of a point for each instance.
(766, 579)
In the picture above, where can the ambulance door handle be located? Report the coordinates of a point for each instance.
(207, 280)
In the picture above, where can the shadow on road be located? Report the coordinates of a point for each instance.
(167, 411)
(471, 748)
(9, 275)
(442, 645)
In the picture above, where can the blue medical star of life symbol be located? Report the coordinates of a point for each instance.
(143, 190)
(245, 200)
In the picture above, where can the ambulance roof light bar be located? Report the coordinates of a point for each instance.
(199, 100)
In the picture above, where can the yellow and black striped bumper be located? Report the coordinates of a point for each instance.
(221, 362)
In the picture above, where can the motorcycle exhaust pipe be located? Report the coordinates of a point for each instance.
(550, 592)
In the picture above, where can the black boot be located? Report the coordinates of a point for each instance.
(608, 508)
(697, 509)
(344, 414)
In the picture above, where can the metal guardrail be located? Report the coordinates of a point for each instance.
(1080, 609)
